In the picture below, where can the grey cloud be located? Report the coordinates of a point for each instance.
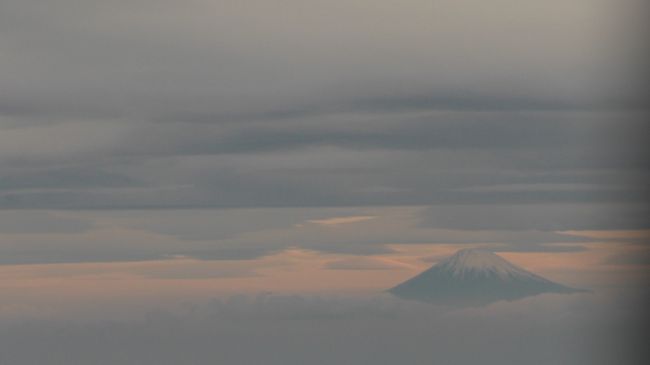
(316, 178)
(158, 59)
(509, 121)
(68, 253)
(187, 119)
(362, 263)
(632, 258)
(193, 272)
(611, 137)
(276, 329)
(538, 248)
(119, 247)
(540, 216)
(30, 222)
(238, 234)
(64, 177)
(174, 269)
(518, 247)
(451, 130)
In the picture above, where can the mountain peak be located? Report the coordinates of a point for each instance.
(475, 261)
(475, 276)
(475, 258)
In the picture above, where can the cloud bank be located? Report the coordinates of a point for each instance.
(507, 119)
(287, 330)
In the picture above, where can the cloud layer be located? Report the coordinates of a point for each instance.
(215, 104)
(33, 236)
(288, 330)
(510, 121)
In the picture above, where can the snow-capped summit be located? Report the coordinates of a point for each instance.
(473, 261)
(475, 277)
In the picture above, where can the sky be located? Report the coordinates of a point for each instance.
(159, 153)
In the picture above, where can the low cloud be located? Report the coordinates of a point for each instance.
(365, 263)
(239, 234)
(287, 330)
(23, 222)
(170, 268)
(633, 257)
(341, 220)
(557, 216)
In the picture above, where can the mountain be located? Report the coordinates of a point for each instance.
(475, 277)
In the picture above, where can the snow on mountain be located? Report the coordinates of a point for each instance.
(475, 277)
(470, 262)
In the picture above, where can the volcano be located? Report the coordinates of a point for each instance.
(474, 277)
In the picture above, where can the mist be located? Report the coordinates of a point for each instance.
(310, 329)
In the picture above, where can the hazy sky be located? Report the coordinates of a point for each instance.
(157, 151)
